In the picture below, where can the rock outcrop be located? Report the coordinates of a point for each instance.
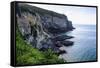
(42, 28)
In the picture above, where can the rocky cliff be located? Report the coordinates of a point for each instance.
(42, 28)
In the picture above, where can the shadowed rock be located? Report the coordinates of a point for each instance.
(61, 37)
(62, 52)
(67, 43)
(58, 44)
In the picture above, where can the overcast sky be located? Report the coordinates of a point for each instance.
(78, 15)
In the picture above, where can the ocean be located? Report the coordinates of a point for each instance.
(84, 48)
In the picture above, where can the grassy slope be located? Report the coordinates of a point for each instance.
(27, 55)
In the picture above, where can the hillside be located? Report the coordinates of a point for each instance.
(39, 35)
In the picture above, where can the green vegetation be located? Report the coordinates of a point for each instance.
(27, 55)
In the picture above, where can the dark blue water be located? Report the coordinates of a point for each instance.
(84, 48)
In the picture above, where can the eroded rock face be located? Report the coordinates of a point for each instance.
(40, 27)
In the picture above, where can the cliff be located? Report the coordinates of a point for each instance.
(41, 28)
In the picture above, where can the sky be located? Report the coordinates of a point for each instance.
(78, 15)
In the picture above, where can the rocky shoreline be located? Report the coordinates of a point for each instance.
(42, 28)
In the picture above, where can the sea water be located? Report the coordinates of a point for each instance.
(84, 47)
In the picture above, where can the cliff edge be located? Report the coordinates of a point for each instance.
(42, 28)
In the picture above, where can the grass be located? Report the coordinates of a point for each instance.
(27, 55)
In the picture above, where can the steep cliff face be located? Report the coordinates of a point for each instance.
(39, 26)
